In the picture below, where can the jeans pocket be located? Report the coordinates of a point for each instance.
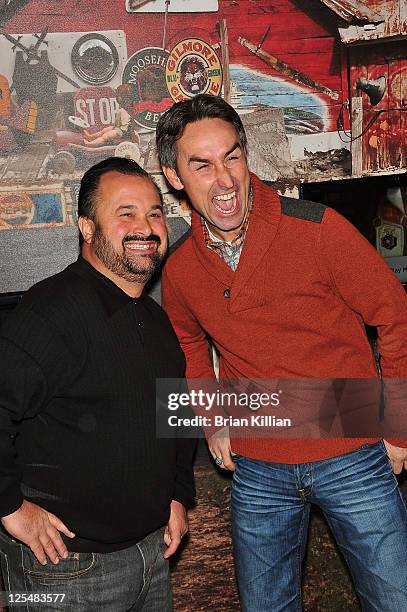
(9, 549)
(7, 539)
(386, 455)
(75, 565)
(151, 549)
(10, 563)
(5, 570)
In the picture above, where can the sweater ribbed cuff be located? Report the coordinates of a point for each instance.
(10, 501)
(184, 497)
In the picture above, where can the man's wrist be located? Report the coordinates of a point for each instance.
(176, 501)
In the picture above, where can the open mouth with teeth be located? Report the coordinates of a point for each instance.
(146, 248)
(225, 203)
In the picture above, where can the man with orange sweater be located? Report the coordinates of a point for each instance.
(275, 284)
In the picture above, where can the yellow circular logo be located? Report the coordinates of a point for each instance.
(193, 68)
(398, 86)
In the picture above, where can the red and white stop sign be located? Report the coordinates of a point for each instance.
(96, 106)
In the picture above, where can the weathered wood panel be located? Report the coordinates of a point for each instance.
(384, 124)
(357, 128)
(393, 23)
(403, 114)
(351, 10)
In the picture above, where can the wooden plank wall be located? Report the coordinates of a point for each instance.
(384, 142)
(393, 23)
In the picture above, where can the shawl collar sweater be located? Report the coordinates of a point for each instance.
(306, 284)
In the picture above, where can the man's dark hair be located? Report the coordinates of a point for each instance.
(87, 201)
(173, 122)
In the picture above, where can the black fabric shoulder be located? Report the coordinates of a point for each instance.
(52, 293)
(50, 322)
(302, 209)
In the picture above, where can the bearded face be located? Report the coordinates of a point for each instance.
(132, 266)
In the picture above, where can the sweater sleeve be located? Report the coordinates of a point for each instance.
(190, 334)
(368, 286)
(31, 370)
(193, 342)
(184, 482)
(23, 390)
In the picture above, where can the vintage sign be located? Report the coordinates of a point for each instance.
(31, 208)
(42, 236)
(399, 267)
(193, 68)
(174, 206)
(95, 58)
(75, 58)
(390, 239)
(145, 71)
(96, 106)
(129, 150)
(398, 87)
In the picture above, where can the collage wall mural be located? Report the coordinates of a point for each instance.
(80, 82)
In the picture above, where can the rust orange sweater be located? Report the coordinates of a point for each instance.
(306, 284)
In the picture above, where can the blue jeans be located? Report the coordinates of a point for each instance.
(136, 578)
(362, 502)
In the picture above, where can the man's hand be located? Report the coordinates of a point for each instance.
(39, 530)
(219, 446)
(176, 529)
(398, 457)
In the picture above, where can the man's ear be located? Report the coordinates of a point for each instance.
(87, 229)
(172, 177)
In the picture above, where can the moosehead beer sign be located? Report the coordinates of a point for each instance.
(193, 68)
(145, 72)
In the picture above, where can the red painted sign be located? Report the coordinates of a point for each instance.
(96, 106)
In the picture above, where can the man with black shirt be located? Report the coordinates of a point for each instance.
(92, 502)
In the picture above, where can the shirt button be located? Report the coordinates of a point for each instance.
(140, 324)
(226, 293)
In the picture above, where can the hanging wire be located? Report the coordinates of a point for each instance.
(340, 125)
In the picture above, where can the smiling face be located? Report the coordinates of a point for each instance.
(212, 168)
(128, 240)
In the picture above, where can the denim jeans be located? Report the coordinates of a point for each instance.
(362, 502)
(136, 578)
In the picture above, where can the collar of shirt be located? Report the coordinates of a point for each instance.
(111, 296)
(228, 251)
